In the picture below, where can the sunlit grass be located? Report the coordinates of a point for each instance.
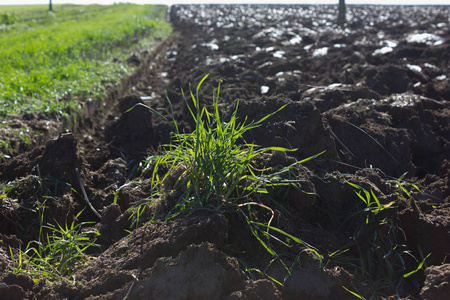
(213, 163)
(55, 256)
(50, 61)
(214, 168)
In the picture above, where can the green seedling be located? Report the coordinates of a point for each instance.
(379, 241)
(353, 293)
(265, 233)
(55, 256)
(373, 205)
(419, 267)
(405, 189)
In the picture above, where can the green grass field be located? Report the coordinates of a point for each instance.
(50, 61)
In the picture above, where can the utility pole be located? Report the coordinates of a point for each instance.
(50, 7)
(341, 14)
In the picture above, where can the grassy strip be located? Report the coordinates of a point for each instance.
(49, 61)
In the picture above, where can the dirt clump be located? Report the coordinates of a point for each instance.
(437, 282)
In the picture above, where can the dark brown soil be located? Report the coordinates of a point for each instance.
(374, 95)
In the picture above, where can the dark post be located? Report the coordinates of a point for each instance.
(341, 14)
(50, 7)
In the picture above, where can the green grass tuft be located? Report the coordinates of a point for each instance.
(213, 163)
(379, 242)
(214, 168)
(55, 256)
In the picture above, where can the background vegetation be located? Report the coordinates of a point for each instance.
(49, 61)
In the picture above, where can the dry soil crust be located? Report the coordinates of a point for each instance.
(374, 95)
